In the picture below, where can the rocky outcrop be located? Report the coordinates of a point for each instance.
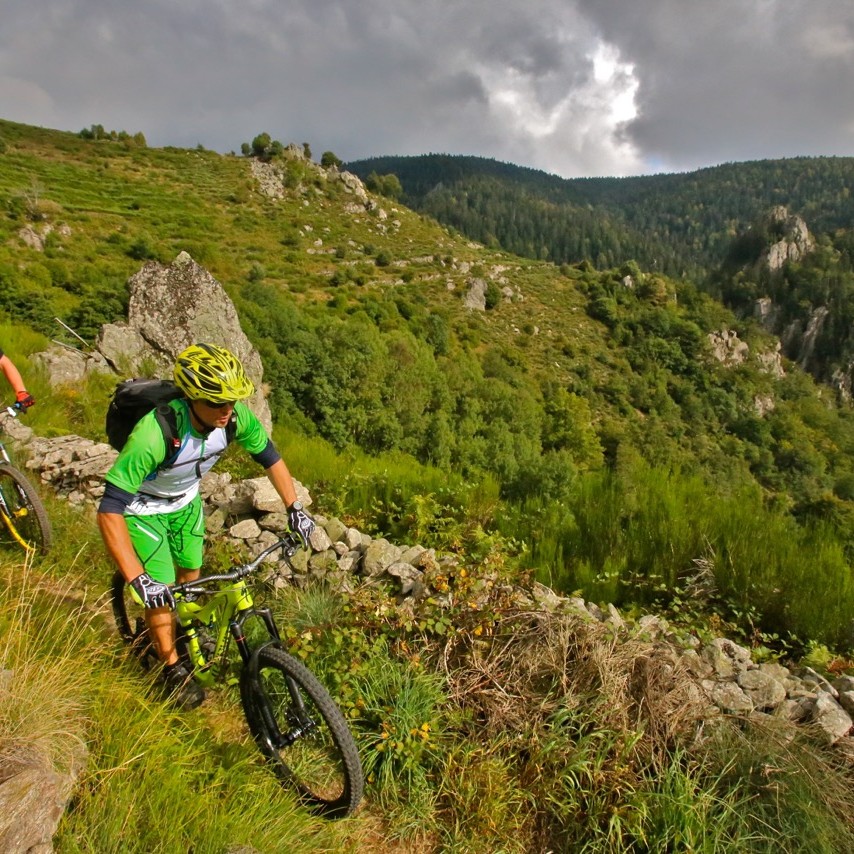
(171, 307)
(728, 348)
(795, 240)
(731, 351)
(33, 798)
(475, 297)
(37, 238)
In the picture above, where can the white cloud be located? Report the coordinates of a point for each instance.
(832, 41)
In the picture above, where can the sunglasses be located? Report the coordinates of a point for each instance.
(217, 404)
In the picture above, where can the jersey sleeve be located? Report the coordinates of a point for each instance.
(144, 452)
(250, 434)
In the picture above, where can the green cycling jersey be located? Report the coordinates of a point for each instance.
(139, 468)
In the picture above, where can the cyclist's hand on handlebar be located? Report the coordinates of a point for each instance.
(300, 522)
(24, 401)
(153, 594)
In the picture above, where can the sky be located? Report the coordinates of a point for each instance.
(577, 88)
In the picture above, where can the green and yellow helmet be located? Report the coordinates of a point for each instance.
(208, 372)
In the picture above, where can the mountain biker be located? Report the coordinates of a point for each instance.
(151, 516)
(24, 399)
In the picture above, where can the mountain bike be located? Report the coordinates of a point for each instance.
(24, 519)
(293, 719)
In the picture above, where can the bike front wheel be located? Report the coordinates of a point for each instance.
(25, 521)
(298, 727)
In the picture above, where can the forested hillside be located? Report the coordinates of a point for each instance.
(599, 426)
(677, 224)
(531, 387)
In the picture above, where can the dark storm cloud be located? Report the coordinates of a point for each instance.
(580, 88)
(736, 79)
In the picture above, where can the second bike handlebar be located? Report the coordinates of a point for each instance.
(289, 544)
(14, 410)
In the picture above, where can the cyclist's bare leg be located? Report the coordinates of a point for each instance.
(161, 623)
(161, 626)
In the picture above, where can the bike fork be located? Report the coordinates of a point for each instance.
(301, 724)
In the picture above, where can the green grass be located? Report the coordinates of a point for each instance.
(522, 759)
(149, 779)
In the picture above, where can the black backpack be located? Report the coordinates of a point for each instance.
(134, 398)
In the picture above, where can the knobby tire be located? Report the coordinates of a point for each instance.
(323, 763)
(29, 518)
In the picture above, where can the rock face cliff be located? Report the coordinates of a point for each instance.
(795, 240)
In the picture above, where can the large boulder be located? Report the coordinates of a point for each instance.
(171, 307)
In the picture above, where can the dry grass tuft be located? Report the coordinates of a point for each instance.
(537, 663)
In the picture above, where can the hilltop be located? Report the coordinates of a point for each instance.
(678, 224)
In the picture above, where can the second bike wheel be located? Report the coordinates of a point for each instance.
(27, 523)
(129, 616)
(302, 732)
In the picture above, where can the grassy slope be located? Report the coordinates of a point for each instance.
(207, 204)
(113, 197)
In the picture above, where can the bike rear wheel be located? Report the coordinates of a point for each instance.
(129, 616)
(298, 727)
(25, 521)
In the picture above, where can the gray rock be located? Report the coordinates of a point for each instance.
(406, 573)
(719, 662)
(33, 797)
(246, 530)
(336, 530)
(844, 683)
(728, 697)
(830, 717)
(323, 562)
(379, 555)
(765, 692)
(846, 700)
(352, 538)
(810, 677)
(277, 522)
(319, 540)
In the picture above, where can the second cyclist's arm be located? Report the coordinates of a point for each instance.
(13, 375)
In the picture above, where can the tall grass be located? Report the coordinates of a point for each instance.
(392, 494)
(634, 537)
(149, 779)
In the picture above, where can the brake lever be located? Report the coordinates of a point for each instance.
(289, 547)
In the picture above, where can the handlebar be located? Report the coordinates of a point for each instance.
(14, 410)
(289, 544)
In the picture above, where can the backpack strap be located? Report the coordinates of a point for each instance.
(168, 421)
(231, 429)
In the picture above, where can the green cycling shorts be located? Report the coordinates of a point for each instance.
(167, 540)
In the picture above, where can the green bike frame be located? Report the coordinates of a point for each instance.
(225, 614)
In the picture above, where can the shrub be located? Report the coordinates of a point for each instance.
(328, 160)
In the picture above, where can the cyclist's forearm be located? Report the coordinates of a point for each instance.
(13, 375)
(282, 482)
(114, 531)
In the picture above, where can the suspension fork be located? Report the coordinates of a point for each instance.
(237, 632)
(303, 724)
